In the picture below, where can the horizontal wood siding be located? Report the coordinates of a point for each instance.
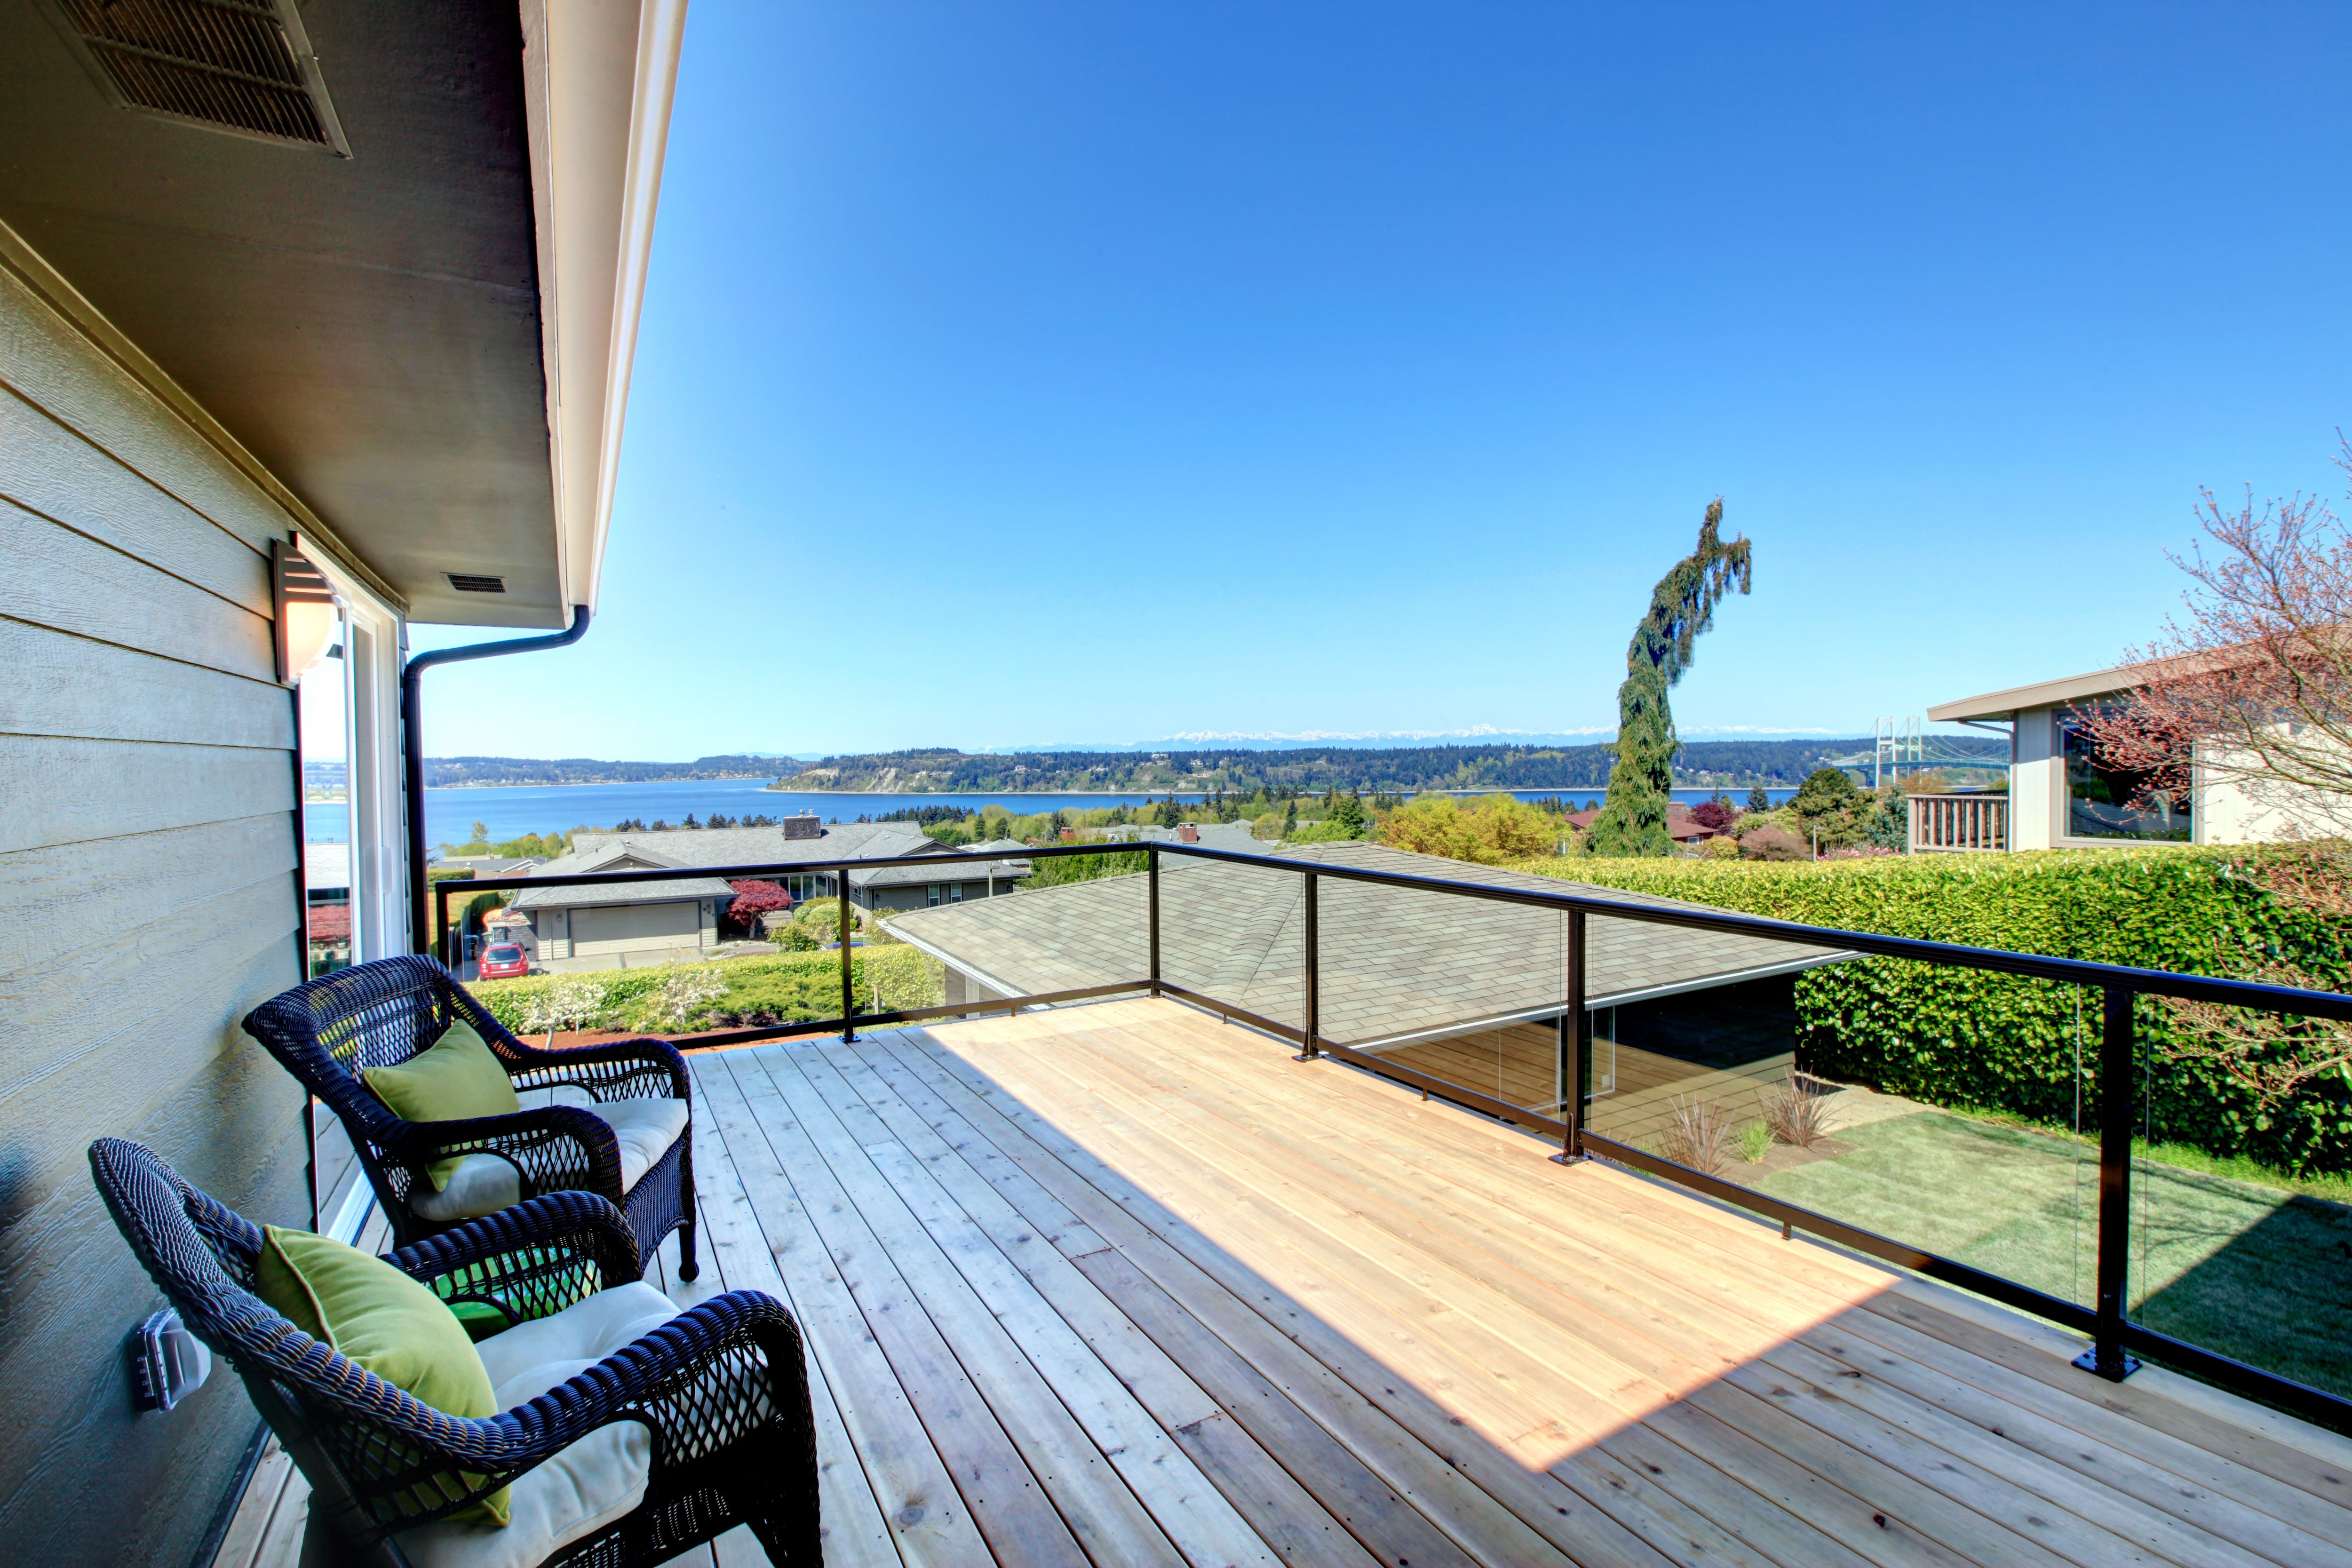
(147, 861)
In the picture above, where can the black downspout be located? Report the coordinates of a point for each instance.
(412, 742)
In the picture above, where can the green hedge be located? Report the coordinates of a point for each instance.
(794, 986)
(1965, 1038)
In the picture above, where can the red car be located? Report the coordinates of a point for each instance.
(503, 961)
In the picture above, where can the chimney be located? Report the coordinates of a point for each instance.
(805, 826)
(1189, 834)
(1069, 835)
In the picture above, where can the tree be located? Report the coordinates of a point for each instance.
(754, 900)
(1170, 814)
(2255, 688)
(1633, 821)
(1489, 831)
(1347, 813)
(1759, 799)
(481, 834)
(1715, 816)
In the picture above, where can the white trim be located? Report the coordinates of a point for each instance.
(595, 184)
(990, 981)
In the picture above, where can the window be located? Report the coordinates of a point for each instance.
(2099, 803)
(932, 896)
(955, 892)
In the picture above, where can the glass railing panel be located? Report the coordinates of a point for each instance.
(1073, 923)
(1235, 936)
(2241, 1188)
(1965, 1127)
(1463, 990)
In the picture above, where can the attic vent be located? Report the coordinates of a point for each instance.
(240, 65)
(467, 582)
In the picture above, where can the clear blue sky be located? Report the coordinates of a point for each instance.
(1027, 372)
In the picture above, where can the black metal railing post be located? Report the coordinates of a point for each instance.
(1151, 877)
(2117, 1067)
(1311, 1014)
(848, 983)
(1575, 1047)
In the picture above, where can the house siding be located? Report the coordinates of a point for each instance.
(148, 849)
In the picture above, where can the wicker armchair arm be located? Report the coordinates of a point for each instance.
(555, 1147)
(533, 1259)
(652, 1058)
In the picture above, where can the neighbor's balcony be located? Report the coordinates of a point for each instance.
(1942, 823)
(1250, 1244)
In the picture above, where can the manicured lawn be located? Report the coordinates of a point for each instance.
(2254, 1272)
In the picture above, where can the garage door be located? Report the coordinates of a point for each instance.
(627, 927)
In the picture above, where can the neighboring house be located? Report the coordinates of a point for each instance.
(367, 335)
(622, 925)
(2061, 796)
(484, 866)
(1679, 826)
(796, 841)
(978, 871)
(1212, 834)
(1459, 988)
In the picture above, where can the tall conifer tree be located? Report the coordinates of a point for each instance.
(1632, 819)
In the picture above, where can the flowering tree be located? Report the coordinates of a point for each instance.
(2254, 686)
(754, 900)
(574, 1001)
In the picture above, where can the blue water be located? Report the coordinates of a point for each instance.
(510, 813)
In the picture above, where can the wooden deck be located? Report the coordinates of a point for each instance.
(1121, 1285)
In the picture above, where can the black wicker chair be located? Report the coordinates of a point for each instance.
(722, 1385)
(382, 1013)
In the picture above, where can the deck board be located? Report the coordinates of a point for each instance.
(1120, 1283)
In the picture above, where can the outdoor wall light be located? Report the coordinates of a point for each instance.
(307, 612)
(167, 1362)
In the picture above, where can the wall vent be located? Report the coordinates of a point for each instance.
(240, 65)
(468, 583)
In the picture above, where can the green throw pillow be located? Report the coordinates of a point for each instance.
(457, 1078)
(387, 1322)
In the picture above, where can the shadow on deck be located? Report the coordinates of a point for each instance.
(1119, 1285)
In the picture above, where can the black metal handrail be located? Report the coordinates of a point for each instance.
(2112, 1332)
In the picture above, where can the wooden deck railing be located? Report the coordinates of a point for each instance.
(1958, 822)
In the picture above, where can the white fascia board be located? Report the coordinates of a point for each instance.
(952, 962)
(600, 77)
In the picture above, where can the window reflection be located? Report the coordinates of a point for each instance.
(2099, 799)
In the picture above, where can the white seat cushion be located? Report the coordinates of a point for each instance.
(584, 1332)
(580, 1491)
(485, 1184)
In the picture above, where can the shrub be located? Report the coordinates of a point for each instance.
(1972, 1039)
(1489, 831)
(1755, 1143)
(1795, 1110)
(1723, 847)
(1772, 843)
(1697, 1134)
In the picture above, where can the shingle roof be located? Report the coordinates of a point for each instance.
(949, 865)
(1393, 963)
(621, 855)
(766, 845)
